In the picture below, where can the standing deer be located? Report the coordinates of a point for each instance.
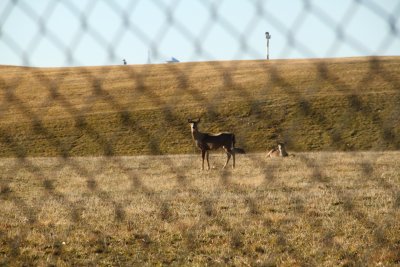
(208, 141)
(279, 151)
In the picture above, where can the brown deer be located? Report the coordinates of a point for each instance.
(208, 141)
(279, 151)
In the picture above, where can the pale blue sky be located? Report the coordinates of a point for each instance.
(103, 32)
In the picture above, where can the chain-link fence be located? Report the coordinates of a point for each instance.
(99, 166)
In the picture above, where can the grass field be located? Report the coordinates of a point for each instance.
(97, 164)
(342, 104)
(314, 209)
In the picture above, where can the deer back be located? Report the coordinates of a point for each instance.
(214, 141)
(273, 153)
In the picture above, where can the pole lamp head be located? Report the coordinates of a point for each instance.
(267, 35)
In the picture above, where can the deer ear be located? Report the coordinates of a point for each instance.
(198, 120)
(189, 120)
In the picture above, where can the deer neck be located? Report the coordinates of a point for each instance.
(197, 135)
(282, 152)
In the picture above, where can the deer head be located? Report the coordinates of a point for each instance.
(193, 124)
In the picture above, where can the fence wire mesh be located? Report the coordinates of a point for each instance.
(99, 167)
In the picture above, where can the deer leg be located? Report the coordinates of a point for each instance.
(233, 159)
(203, 154)
(228, 158)
(208, 163)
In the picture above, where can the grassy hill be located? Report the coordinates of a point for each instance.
(320, 104)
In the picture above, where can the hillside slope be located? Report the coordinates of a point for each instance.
(320, 104)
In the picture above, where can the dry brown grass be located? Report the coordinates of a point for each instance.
(315, 209)
(322, 208)
(342, 104)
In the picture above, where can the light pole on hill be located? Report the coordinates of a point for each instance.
(268, 36)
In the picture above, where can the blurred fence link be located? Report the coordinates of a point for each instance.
(32, 126)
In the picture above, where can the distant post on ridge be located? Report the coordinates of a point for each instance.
(267, 36)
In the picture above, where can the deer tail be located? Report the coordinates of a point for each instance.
(239, 150)
(236, 149)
